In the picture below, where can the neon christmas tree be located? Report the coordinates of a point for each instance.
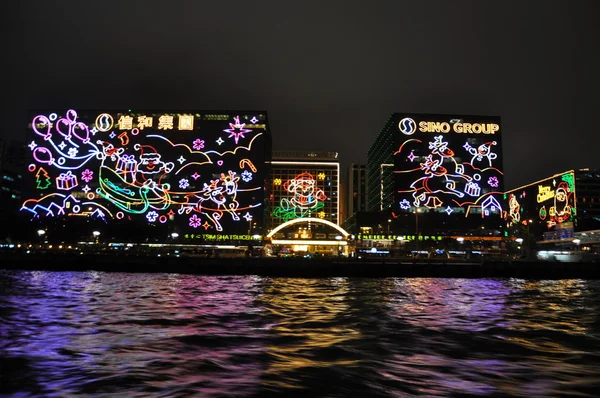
(42, 179)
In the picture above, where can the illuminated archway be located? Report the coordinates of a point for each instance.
(307, 219)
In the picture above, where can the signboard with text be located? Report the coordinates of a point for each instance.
(449, 166)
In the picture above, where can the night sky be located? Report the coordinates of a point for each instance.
(329, 73)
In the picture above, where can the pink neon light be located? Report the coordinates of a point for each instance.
(237, 130)
(195, 221)
(41, 149)
(43, 120)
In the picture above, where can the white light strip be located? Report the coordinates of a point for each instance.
(307, 220)
(337, 166)
(310, 242)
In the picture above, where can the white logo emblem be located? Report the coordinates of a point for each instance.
(407, 126)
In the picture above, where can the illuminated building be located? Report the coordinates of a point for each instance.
(438, 174)
(149, 174)
(559, 208)
(304, 185)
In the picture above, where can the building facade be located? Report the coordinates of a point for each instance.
(558, 208)
(147, 175)
(438, 175)
(303, 184)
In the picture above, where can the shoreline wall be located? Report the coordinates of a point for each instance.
(301, 267)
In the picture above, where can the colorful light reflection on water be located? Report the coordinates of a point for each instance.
(90, 333)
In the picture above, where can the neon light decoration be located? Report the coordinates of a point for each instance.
(445, 170)
(550, 201)
(305, 198)
(150, 167)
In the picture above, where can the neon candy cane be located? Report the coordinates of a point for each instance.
(244, 162)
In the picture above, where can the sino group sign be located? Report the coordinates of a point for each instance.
(201, 171)
(448, 164)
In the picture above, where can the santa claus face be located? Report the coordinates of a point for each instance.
(150, 163)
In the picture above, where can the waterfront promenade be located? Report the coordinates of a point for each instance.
(301, 267)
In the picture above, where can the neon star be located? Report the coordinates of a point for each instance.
(404, 204)
(62, 145)
(220, 141)
(94, 131)
(237, 130)
(411, 156)
(449, 210)
(248, 216)
(171, 213)
(181, 159)
(195, 176)
(254, 120)
(32, 145)
(86, 189)
(206, 225)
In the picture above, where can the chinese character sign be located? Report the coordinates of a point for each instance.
(198, 171)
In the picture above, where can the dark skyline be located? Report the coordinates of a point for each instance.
(328, 73)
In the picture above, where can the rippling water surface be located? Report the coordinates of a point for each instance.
(126, 335)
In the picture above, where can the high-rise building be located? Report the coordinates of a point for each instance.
(356, 194)
(380, 167)
(304, 184)
(443, 170)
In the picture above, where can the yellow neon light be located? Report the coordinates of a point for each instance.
(309, 242)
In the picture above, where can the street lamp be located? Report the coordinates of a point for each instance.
(577, 242)
(417, 211)
(520, 247)
(388, 226)
(339, 239)
(96, 235)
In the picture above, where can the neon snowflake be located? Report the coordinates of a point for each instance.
(184, 183)
(246, 176)
(195, 222)
(87, 175)
(493, 181)
(72, 152)
(198, 144)
(152, 216)
(404, 204)
(237, 130)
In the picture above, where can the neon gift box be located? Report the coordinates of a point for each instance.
(66, 181)
(127, 166)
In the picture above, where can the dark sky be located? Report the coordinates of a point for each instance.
(329, 73)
